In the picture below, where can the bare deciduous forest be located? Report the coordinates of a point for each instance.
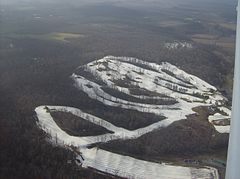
(37, 58)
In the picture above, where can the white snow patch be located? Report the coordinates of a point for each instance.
(165, 79)
(112, 163)
(218, 121)
(178, 45)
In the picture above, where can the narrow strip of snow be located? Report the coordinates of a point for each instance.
(109, 162)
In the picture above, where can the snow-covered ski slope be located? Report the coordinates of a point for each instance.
(112, 163)
(161, 89)
(124, 74)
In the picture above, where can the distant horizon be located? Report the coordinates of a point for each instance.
(137, 2)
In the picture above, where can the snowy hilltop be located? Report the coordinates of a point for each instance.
(130, 83)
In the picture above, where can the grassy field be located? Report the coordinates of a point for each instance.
(231, 26)
(64, 37)
(206, 39)
(55, 36)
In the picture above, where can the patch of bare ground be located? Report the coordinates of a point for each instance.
(76, 126)
(121, 95)
(185, 138)
(193, 138)
(126, 118)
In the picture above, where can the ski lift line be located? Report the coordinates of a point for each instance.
(233, 160)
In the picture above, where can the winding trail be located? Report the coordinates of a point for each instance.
(112, 163)
(172, 83)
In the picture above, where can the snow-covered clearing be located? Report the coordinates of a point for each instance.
(188, 90)
(109, 162)
(177, 45)
(220, 122)
(124, 75)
